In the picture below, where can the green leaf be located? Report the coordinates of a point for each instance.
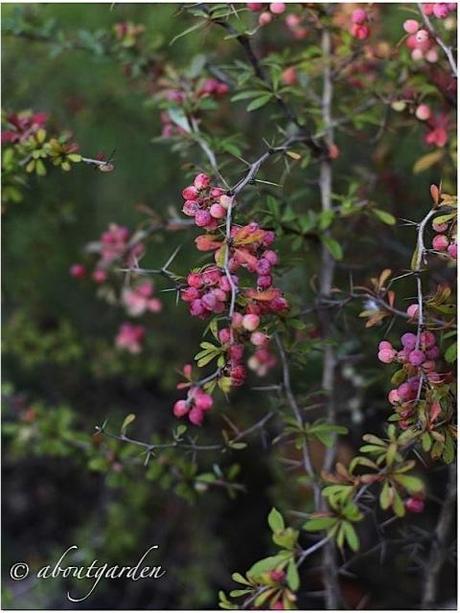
(128, 420)
(292, 576)
(259, 102)
(411, 484)
(450, 354)
(350, 535)
(387, 218)
(333, 247)
(238, 578)
(269, 563)
(319, 523)
(187, 31)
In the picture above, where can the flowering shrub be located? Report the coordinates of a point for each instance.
(284, 274)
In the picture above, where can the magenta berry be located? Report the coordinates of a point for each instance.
(415, 505)
(440, 242)
(416, 357)
(409, 340)
(78, 271)
(181, 408)
(359, 16)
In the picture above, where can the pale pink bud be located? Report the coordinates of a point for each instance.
(412, 311)
(259, 339)
(217, 211)
(411, 26)
(251, 322)
(265, 18)
(423, 112)
(277, 8)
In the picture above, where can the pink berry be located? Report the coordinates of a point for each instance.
(360, 32)
(225, 201)
(237, 320)
(359, 16)
(385, 345)
(99, 276)
(197, 308)
(452, 250)
(181, 408)
(277, 575)
(393, 397)
(432, 353)
(423, 112)
(255, 6)
(277, 8)
(194, 279)
(259, 339)
(251, 322)
(190, 294)
(264, 281)
(411, 26)
(408, 340)
(416, 357)
(78, 271)
(386, 355)
(422, 36)
(203, 402)
(432, 56)
(217, 211)
(289, 76)
(440, 10)
(224, 336)
(265, 18)
(412, 311)
(190, 193)
(190, 208)
(271, 256)
(202, 218)
(196, 416)
(404, 392)
(201, 181)
(236, 352)
(440, 242)
(415, 505)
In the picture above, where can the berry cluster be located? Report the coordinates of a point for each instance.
(267, 11)
(418, 358)
(113, 245)
(205, 202)
(420, 42)
(440, 10)
(216, 288)
(195, 406)
(130, 337)
(139, 299)
(359, 28)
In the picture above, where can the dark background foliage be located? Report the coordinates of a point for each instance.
(59, 356)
